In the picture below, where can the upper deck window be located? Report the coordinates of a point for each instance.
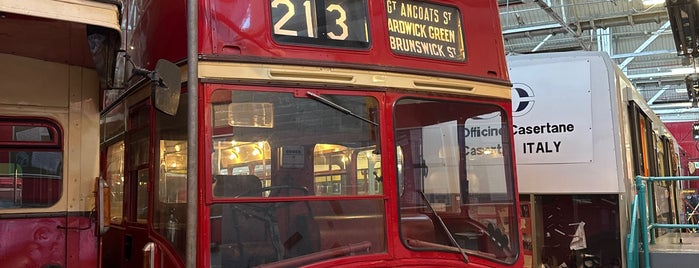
(338, 23)
(29, 132)
(425, 30)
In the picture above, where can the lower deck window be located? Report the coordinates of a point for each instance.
(31, 163)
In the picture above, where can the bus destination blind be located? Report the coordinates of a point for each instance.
(341, 23)
(426, 30)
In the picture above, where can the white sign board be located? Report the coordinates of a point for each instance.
(552, 116)
(292, 156)
(485, 165)
(441, 154)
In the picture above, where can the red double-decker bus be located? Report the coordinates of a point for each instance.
(313, 133)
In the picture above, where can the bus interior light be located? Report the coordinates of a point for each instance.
(251, 114)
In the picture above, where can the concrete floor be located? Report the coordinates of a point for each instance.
(675, 250)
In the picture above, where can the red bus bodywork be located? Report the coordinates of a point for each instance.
(240, 31)
(235, 32)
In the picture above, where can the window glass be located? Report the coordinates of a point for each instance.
(142, 199)
(113, 123)
(242, 236)
(112, 94)
(303, 135)
(31, 163)
(172, 184)
(115, 179)
(369, 172)
(563, 217)
(663, 191)
(170, 202)
(289, 149)
(26, 133)
(138, 148)
(332, 170)
(454, 167)
(139, 143)
(243, 158)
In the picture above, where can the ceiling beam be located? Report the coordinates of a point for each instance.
(656, 74)
(676, 111)
(503, 3)
(526, 32)
(645, 44)
(680, 114)
(680, 117)
(657, 95)
(679, 106)
(561, 21)
(604, 40)
(542, 42)
(643, 53)
(536, 28)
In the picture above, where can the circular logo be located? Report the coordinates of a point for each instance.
(522, 99)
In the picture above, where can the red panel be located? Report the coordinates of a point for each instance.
(242, 30)
(82, 251)
(158, 30)
(682, 131)
(32, 242)
(36, 242)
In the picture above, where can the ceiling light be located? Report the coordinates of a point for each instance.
(652, 2)
(685, 70)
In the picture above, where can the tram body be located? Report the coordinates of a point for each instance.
(49, 130)
(582, 134)
(331, 134)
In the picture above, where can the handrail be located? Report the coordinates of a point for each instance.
(641, 193)
(632, 237)
(16, 198)
(647, 221)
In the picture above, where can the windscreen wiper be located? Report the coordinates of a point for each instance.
(444, 226)
(338, 107)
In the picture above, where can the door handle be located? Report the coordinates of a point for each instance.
(149, 251)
